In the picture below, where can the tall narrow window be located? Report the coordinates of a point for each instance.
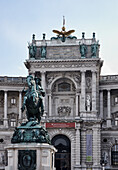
(114, 154)
(116, 100)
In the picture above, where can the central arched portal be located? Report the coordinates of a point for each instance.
(63, 154)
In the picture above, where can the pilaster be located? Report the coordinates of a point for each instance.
(77, 144)
(82, 100)
(20, 105)
(43, 84)
(108, 108)
(5, 109)
(93, 91)
(77, 104)
(50, 105)
(101, 104)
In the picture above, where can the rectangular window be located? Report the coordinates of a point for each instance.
(114, 157)
(116, 100)
(13, 101)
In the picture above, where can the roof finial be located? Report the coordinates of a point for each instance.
(63, 21)
(63, 28)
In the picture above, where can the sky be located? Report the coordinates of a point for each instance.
(19, 19)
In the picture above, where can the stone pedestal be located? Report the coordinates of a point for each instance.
(31, 156)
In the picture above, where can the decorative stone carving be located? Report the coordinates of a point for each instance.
(60, 64)
(88, 82)
(26, 159)
(64, 110)
(50, 78)
(77, 78)
(30, 132)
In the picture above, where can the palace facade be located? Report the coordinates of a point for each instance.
(81, 105)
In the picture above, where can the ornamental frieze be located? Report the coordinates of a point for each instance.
(64, 65)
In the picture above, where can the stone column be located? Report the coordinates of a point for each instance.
(82, 108)
(50, 105)
(108, 109)
(77, 104)
(5, 109)
(20, 105)
(93, 91)
(101, 104)
(43, 84)
(77, 144)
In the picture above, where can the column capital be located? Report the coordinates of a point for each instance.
(42, 72)
(108, 90)
(83, 71)
(93, 71)
(5, 91)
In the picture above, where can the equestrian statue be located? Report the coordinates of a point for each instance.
(31, 130)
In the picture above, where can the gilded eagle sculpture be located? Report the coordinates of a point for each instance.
(63, 34)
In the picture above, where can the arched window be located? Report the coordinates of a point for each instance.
(63, 154)
(114, 154)
(64, 87)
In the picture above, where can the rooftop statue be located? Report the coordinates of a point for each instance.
(83, 50)
(63, 34)
(32, 50)
(43, 52)
(31, 131)
(94, 48)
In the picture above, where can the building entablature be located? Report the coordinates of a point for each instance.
(108, 78)
(108, 87)
(11, 88)
(65, 65)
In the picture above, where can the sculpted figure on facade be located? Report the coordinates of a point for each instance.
(32, 50)
(94, 48)
(88, 103)
(83, 50)
(43, 52)
(88, 82)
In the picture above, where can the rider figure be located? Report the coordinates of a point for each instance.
(34, 92)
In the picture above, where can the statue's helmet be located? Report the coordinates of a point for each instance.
(29, 77)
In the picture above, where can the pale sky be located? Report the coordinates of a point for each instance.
(19, 19)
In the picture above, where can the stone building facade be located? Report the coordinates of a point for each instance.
(81, 105)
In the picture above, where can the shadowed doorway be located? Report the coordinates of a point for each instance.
(63, 154)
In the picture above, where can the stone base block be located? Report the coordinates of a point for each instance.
(34, 156)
